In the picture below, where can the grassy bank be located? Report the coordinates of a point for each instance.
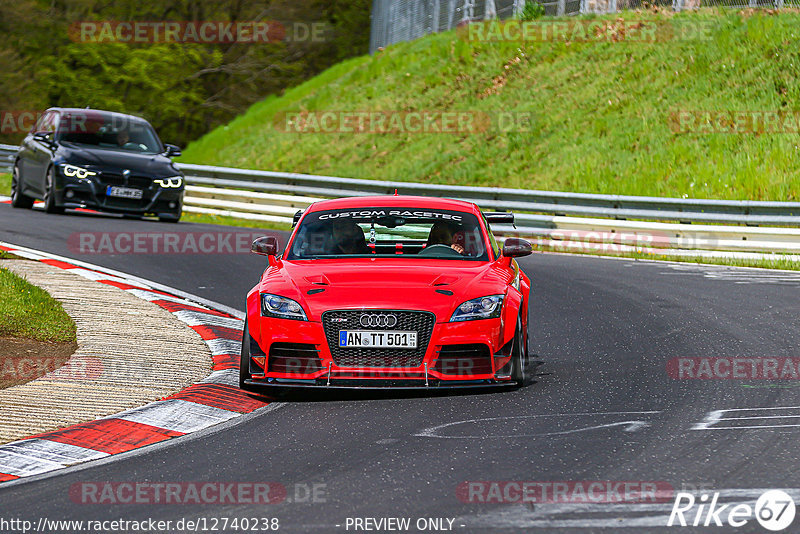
(602, 113)
(5, 184)
(27, 311)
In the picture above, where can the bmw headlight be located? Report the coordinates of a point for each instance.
(479, 308)
(281, 307)
(172, 181)
(73, 171)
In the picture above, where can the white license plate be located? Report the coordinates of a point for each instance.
(123, 192)
(378, 339)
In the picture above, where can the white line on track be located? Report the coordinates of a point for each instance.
(630, 425)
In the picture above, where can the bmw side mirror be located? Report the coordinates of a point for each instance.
(516, 248)
(42, 137)
(172, 151)
(265, 246)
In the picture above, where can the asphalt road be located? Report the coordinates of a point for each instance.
(603, 406)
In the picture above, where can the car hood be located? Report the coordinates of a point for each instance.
(156, 165)
(433, 285)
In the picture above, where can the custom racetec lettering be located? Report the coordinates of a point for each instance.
(406, 214)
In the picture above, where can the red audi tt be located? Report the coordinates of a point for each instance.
(388, 291)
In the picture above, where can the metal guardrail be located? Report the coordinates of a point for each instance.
(6, 157)
(527, 203)
(535, 209)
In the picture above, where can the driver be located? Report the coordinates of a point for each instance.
(442, 233)
(348, 238)
(123, 137)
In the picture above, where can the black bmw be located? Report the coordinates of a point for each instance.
(84, 158)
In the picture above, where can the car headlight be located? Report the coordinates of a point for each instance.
(479, 308)
(281, 307)
(75, 171)
(172, 181)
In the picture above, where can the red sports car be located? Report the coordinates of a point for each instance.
(388, 291)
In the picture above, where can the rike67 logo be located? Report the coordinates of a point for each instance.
(774, 510)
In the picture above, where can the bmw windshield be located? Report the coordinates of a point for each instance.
(389, 232)
(109, 131)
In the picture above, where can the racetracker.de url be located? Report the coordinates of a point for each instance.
(149, 525)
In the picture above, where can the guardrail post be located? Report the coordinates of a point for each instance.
(562, 8)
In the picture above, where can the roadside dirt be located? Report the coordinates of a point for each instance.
(23, 360)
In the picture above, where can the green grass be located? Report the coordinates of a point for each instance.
(27, 311)
(202, 218)
(601, 113)
(5, 184)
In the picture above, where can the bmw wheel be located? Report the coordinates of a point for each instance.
(18, 200)
(50, 205)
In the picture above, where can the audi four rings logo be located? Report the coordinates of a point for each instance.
(378, 319)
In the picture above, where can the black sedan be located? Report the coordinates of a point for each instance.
(83, 158)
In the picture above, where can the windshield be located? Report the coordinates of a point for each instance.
(389, 232)
(109, 131)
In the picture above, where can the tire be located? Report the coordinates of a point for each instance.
(519, 356)
(50, 205)
(18, 200)
(244, 361)
(169, 218)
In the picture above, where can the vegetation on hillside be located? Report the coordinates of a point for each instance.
(603, 112)
(184, 89)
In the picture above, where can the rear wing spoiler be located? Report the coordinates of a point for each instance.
(296, 218)
(499, 217)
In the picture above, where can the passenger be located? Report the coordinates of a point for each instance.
(348, 238)
(443, 233)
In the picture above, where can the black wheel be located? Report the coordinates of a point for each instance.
(519, 356)
(244, 361)
(50, 205)
(169, 218)
(18, 200)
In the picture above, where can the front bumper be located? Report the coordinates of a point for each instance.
(376, 384)
(87, 193)
(286, 353)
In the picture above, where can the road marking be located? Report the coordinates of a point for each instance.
(193, 318)
(229, 377)
(736, 275)
(630, 425)
(177, 415)
(713, 418)
(36, 456)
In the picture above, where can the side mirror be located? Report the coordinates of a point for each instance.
(42, 137)
(173, 151)
(516, 248)
(266, 246)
